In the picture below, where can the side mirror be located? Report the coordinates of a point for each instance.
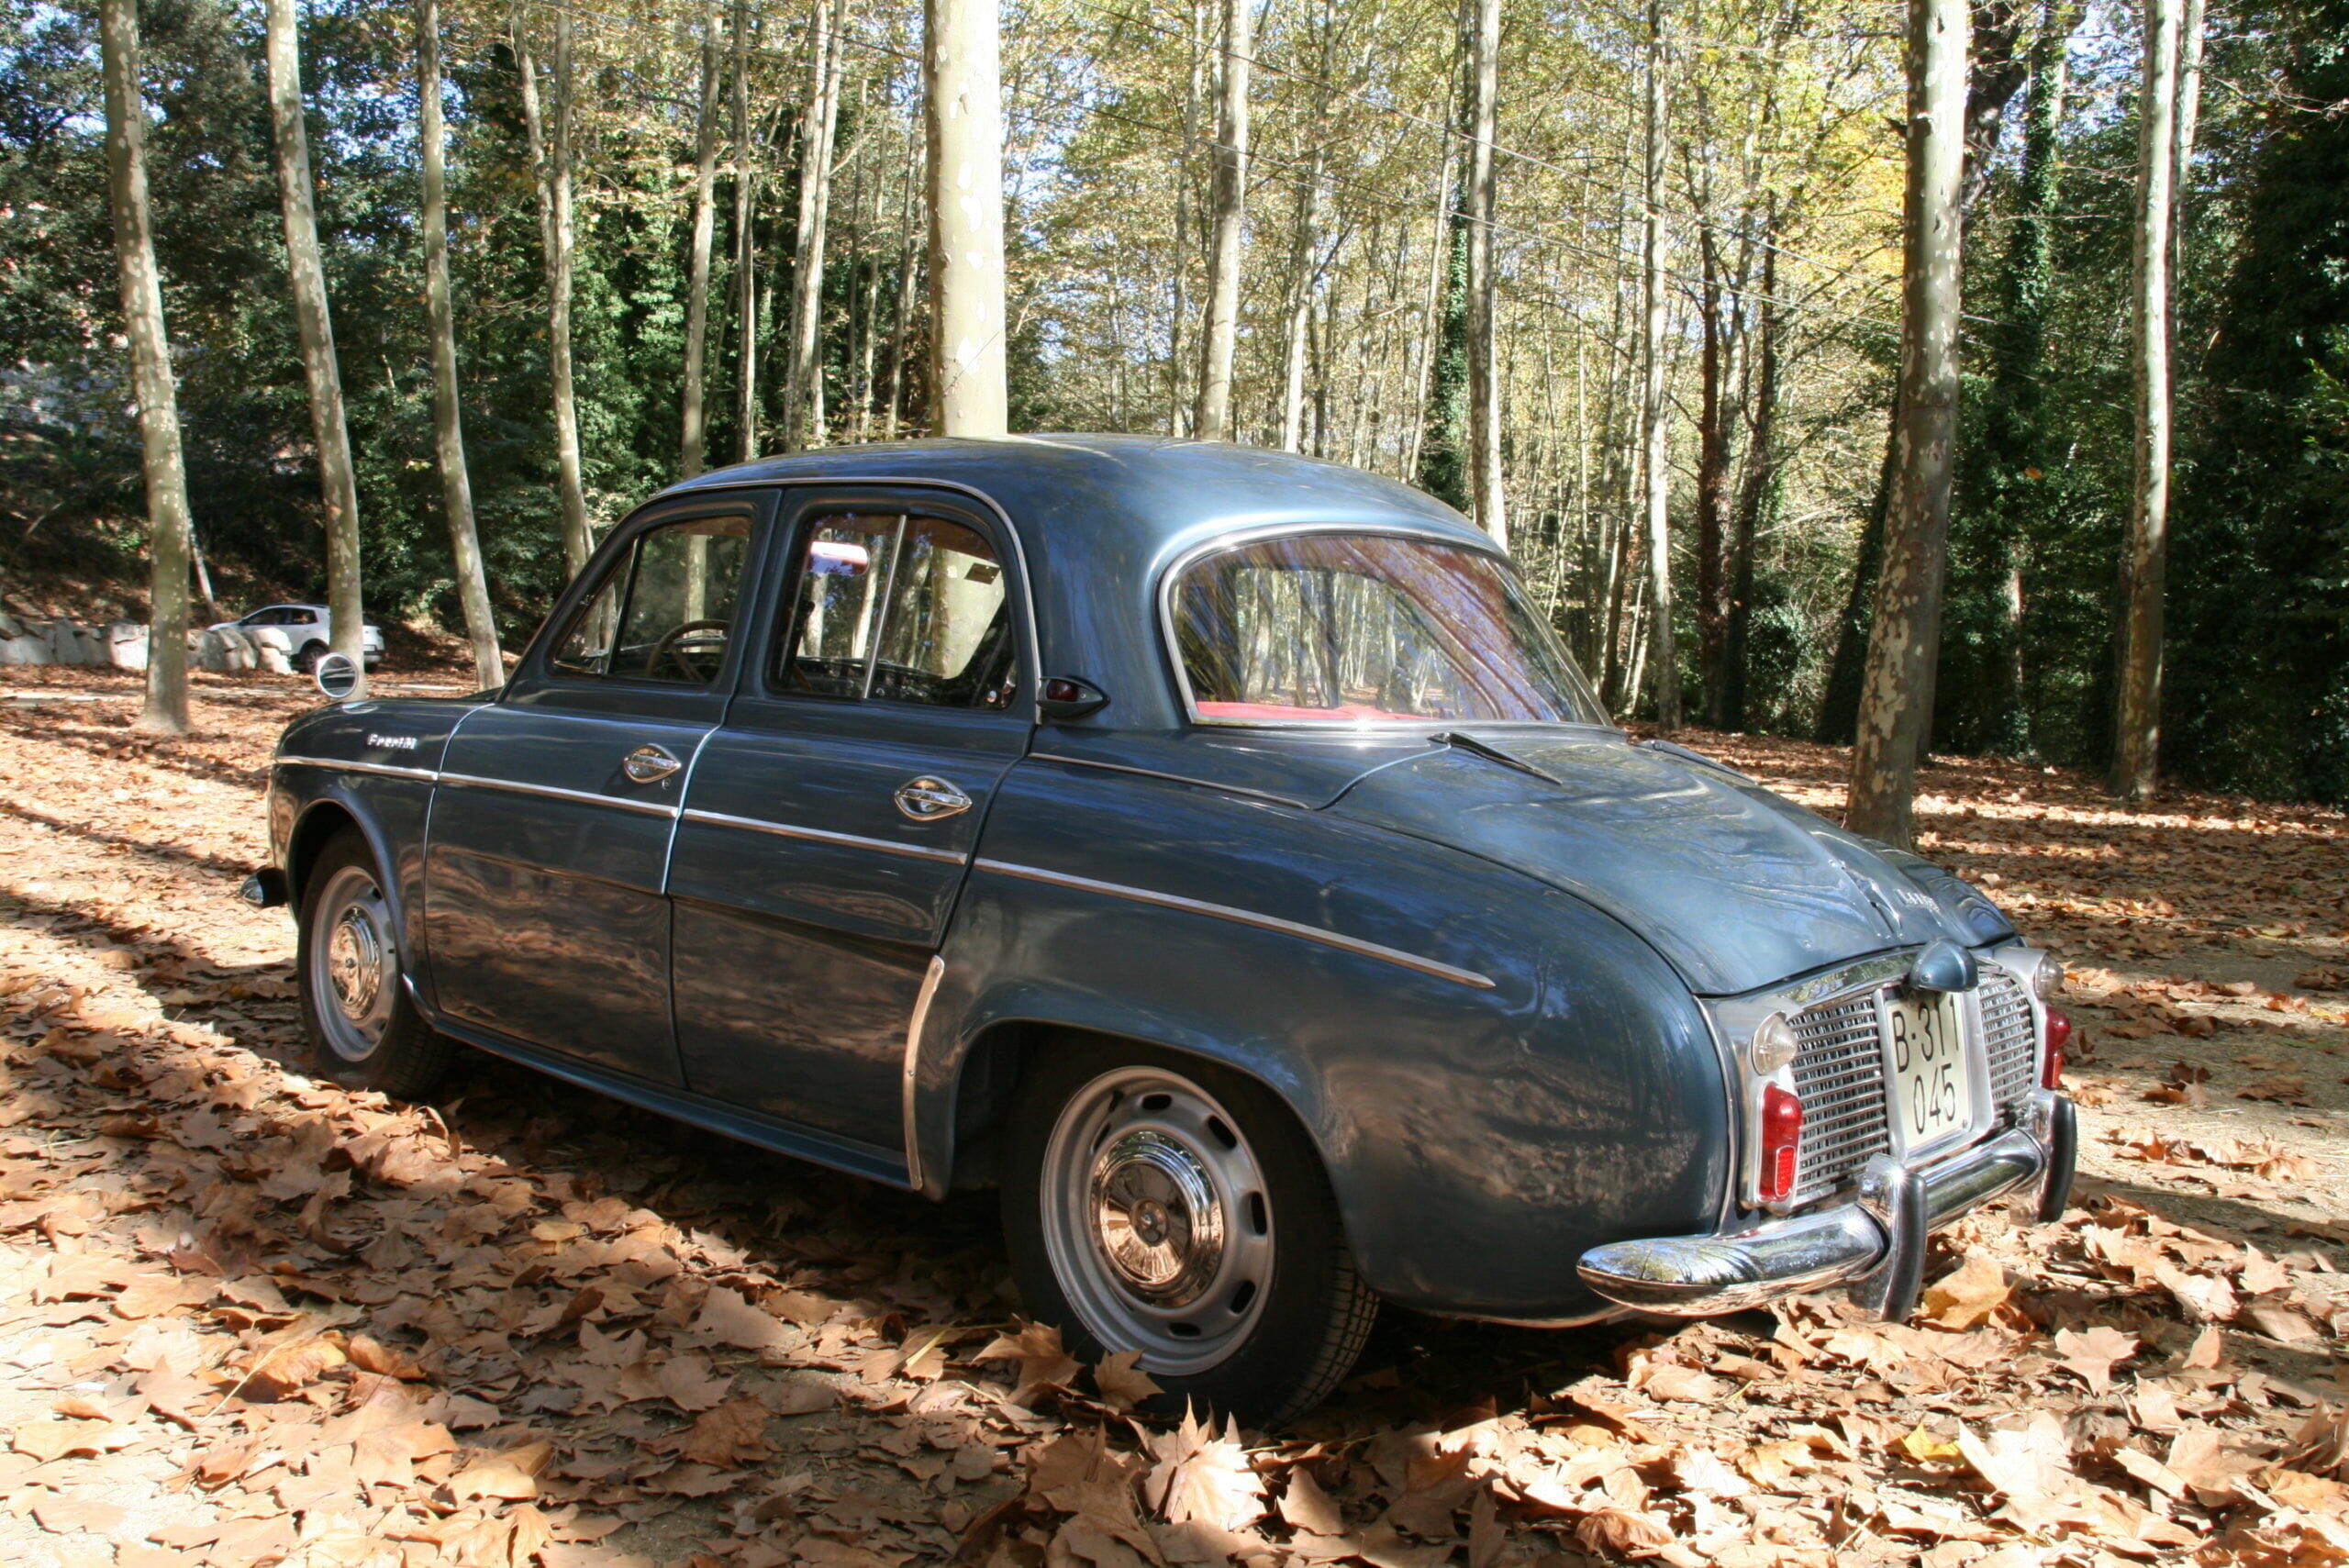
(335, 675)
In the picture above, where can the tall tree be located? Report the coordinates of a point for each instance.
(550, 156)
(448, 415)
(1486, 480)
(693, 453)
(313, 325)
(2145, 554)
(1221, 332)
(802, 375)
(164, 711)
(1655, 461)
(1904, 638)
(746, 252)
(963, 77)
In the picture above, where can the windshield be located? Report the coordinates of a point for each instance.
(1367, 629)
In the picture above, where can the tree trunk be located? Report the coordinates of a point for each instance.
(2190, 120)
(165, 712)
(2145, 554)
(1300, 304)
(314, 323)
(1712, 482)
(1896, 697)
(901, 308)
(746, 251)
(695, 444)
(964, 98)
(1179, 269)
(448, 416)
(1485, 483)
(802, 375)
(1760, 490)
(550, 156)
(1212, 422)
(1655, 466)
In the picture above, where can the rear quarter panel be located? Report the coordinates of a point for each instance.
(1478, 1139)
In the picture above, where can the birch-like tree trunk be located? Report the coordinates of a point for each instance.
(1904, 638)
(313, 325)
(802, 399)
(550, 157)
(694, 444)
(1212, 422)
(164, 711)
(448, 415)
(1485, 486)
(746, 254)
(1656, 465)
(963, 76)
(901, 308)
(2145, 561)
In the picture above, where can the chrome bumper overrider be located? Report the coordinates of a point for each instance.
(1876, 1242)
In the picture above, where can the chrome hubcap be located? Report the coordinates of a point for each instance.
(1156, 1219)
(354, 964)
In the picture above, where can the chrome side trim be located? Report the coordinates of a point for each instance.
(1245, 918)
(552, 792)
(389, 770)
(935, 973)
(1171, 778)
(820, 836)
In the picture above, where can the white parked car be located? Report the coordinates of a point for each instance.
(304, 631)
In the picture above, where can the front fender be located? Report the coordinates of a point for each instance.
(1478, 1138)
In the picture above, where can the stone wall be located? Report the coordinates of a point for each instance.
(122, 645)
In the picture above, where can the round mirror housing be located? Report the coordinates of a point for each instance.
(336, 674)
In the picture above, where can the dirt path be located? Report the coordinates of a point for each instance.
(249, 1318)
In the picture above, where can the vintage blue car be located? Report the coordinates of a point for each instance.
(1211, 849)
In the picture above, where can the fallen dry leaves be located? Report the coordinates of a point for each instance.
(251, 1318)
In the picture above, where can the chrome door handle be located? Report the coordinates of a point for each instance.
(648, 764)
(928, 799)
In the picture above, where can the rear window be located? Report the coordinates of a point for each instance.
(1360, 628)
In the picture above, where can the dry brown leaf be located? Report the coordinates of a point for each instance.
(512, 1475)
(2092, 1353)
(1201, 1476)
(1308, 1507)
(1123, 1385)
(1043, 1364)
(729, 1434)
(1968, 1296)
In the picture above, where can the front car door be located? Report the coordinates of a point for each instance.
(829, 825)
(546, 916)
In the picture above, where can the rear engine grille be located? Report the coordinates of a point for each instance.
(2007, 1038)
(1838, 1073)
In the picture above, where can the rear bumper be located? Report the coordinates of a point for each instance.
(1875, 1243)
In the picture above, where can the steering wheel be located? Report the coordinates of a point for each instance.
(667, 648)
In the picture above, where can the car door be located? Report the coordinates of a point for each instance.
(829, 825)
(547, 919)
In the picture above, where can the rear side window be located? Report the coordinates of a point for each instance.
(665, 608)
(896, 607)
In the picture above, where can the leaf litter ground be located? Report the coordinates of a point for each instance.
(247, 1317)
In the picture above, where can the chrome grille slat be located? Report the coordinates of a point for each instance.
(2009, 1041)
(1838, 1073)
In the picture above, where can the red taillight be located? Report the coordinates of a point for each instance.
(2050, 1060)
(1781, 1143)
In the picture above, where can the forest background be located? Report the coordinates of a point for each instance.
(1773, 178)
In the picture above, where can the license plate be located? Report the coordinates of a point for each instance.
(1932, 1093)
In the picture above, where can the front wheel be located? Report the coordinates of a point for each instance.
(365, 1031)
(1164, 1205)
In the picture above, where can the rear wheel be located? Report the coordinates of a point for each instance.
(366, 1033)
(307, 659)
(1163, 1205)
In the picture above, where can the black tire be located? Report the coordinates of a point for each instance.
(306, 658)
(364, 1031)
(1098, 1135)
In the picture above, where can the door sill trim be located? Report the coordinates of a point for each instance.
(771, 1133)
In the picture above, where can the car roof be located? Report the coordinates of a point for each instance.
(1100, 518)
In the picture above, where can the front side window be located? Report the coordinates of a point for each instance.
(900, 608)
(664, 609)
(1365, 629)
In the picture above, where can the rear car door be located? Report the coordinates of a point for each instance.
(829, 825)
(546, 914)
